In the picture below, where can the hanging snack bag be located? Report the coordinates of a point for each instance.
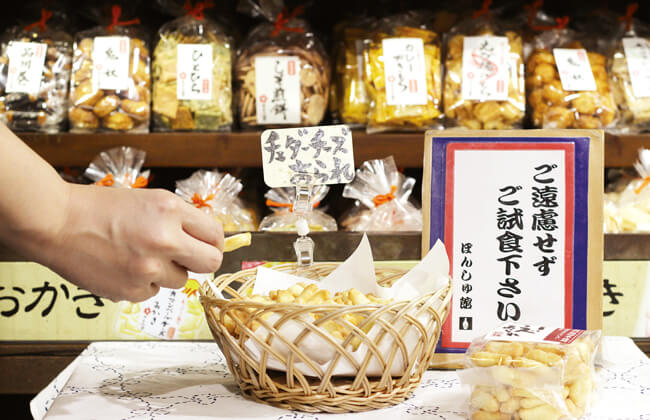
(283, 219)
(35, 64)
(484, 74)
(382, 199)
(282, 72)
(192, 66)
(110, 78)
(403, 74)
(119, 167)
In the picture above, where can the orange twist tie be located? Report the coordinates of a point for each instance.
(484, 10)
(631, 10)
(107, 181)
(197, 10)
(271, 203)
(645, 183)
(532, 10)
(45, 16)
(285, 17)
(117, 12)
(380, 199)
(562, 23)
(200, 202)
(140, 182)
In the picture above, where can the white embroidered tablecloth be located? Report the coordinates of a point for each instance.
(181, 380)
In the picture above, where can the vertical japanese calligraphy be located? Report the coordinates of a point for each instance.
(194, 71)
(637, 55)
(574, 69)
(277, 87)
(26, 62)
(485, 74)
(111, 62)
(404, 71)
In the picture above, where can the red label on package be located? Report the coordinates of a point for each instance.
(246, 265)
(563, 335)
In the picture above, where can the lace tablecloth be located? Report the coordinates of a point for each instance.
(180, 380)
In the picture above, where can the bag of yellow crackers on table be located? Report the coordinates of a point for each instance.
(526, 372)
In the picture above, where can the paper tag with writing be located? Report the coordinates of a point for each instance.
(111, 62)
(404, 70)
(277, 86)
(307, 156)
(26, 62)
(194, 71)
(574, 69)
(637, 54)
(534, 334)
(485, 68)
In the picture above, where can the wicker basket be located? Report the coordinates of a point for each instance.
(302, 383)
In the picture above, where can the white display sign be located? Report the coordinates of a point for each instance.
(405, 71)
(485, 68)
(534, 334)
(277, 89)
(111, 62)
(307, 156)
(637, 54)
(574, 69)
(26, 62)
(194, 71)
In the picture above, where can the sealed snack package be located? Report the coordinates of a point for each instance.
(283, 219)
(35, 63)
(403, 74)
(110, 79)
(524, 372)
(216, 194)
(192, 66)
(567, 82)
(484, 74)
(119, 167)
(282, 72)
(382, 199)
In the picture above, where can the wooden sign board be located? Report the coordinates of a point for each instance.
(520, 212)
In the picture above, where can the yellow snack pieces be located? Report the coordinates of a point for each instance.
(234, 242)
(352, 100)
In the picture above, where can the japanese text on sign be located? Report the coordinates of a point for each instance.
(637, 55)
(307, 156)
(404, 71)
(111, 62)
(485, 68)
(534, 334)
(194, 71)
(277, 87)
(574, 69)
(26, 62)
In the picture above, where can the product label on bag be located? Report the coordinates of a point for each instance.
(637, 54)
(574, 69)
(534, 334)
(485, 68)
(404, 70)
(277, 87)
(194, 71)
(26, 62)
(361, 89)
(111, 62)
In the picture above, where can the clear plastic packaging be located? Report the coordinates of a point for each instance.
(216, 194)
(283, 218)
(110, 85)
(528, 373)
(291, 87)
(382, 199)
(119, 167)
(203, 100)
(403, 74)
(35, 101)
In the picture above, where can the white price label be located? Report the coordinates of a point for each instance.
(404, 70)
(111, 62)
(637, 54)
(194, 71)
(26, 62)
(574, 68)
(534, 334)
(277, 86)
(307, 156)
(485, 68)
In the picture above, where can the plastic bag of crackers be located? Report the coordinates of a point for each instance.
(382, 199)
(531, 373)
(192, 67)
(110, 78)
(216, 194)
(35, 67)
(283, 219)
(282, 71)
(119, 167)
(484, 73)
(403, 74)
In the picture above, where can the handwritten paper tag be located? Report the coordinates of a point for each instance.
(534, 334)
(194, 71)
(485, 68)
(404, 71)
(307, 156)
(574, 68)
(277, 87)
(26, 62)
(637, 54)
(111, 62)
